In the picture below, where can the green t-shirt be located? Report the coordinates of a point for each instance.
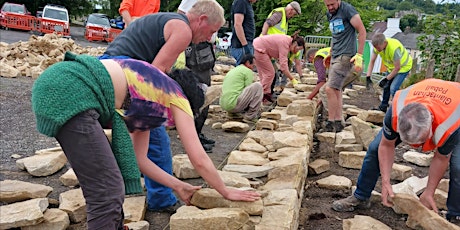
(234, 83)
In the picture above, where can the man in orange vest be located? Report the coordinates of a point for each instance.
(426, 115)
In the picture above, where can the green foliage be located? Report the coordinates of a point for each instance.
(411, 21)
(441, 42)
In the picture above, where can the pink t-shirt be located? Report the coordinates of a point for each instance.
(275, 46)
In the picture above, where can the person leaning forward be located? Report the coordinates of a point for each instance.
(424, 115)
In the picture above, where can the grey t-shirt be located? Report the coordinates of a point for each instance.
(143, 38)
(343, 33)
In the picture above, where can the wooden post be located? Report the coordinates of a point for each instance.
(457, 76)
(413, 70)
(430, 69)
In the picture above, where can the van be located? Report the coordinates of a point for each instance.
(55, 18)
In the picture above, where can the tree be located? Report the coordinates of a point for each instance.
(411, 21)
(441, 43)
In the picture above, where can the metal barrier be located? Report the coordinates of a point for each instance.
(113, 33)
(50, 26)
(16, 21)
(317, 41)
(95, 33)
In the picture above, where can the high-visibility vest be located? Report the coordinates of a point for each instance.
(282, 26)
(324, 52)
(442, 98)
(388, 53)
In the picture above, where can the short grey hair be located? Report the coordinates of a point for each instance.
(311, 52)
(414, 123)
(210, 8)
(378, 39)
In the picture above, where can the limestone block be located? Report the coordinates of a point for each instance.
(359, 222)
(234, 179)
(207, 198)
(23, 213)
(69, 178)
(266, 124)
(417, 158)
(246, 158)
(289, 139)
(289, 151)
(183, 168)
(271, 115)
(374, 116)
(235, 126)
(400, 172)
(248, 171)
(74, 204)
(345, 137)
(334, 182)
(421, 217)
(348, 147)
(140, 225)
(281, 210)
(440, 197)
(15, 190)
(192, 218)
(43, 164)
(249, 144)
(54, 219)
(318, 166)
(134, 208)
(326, 137)
(352, 160)
(263, 137)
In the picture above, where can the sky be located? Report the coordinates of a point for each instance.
(446, 1)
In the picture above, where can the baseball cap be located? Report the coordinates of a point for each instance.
(296, 7)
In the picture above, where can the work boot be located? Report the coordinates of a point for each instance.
(338, 126)
(350, 203)
(329, 127)
(207, 147)
(205, 140)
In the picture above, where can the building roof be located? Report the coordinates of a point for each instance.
(408, 40)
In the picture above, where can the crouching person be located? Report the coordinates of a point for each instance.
(240, 94)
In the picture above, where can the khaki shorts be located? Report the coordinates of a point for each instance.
(340, 70)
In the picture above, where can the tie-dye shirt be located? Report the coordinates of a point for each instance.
(151, 95)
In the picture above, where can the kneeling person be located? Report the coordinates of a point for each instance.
(240, 94)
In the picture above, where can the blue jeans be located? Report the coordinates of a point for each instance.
(370, 173)
(238, 53)
(158, 195)
(394, 86)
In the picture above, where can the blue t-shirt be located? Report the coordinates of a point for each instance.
(243, 7)
(343, 33)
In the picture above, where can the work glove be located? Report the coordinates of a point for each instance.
(383, 83)
(294, 82)
(358, 62)
(368, 82)
(246, 49)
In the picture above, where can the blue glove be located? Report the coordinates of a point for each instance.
(246, 49)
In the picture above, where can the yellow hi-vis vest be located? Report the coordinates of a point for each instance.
(282, 26)
(388, 53)
(324, 52)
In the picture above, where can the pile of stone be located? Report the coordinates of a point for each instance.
(30, 58)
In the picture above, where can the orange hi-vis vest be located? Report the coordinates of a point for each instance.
(442, 98)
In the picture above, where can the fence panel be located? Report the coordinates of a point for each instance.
(95, 33)
(113, 33)
(50, 26)
(17, 21)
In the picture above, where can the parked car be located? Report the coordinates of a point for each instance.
(12, 8)
(56, 19)
(96, 27)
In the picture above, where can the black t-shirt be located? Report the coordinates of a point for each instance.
(243, 7)
(391, 134)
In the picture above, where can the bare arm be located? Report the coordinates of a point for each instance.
(125, 7)
(178, 36)
(200, 160)
(359, 26)
(386, 154)
(265, 28)
(141, 144)
(394, 72)
(438, 167)
(238, 18)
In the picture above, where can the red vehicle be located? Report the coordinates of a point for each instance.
(16, 16)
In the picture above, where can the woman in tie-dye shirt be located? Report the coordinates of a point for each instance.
(71, 99)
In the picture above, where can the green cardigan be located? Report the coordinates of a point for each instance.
(77, 84)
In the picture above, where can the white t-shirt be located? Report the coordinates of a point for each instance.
(186, 5)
